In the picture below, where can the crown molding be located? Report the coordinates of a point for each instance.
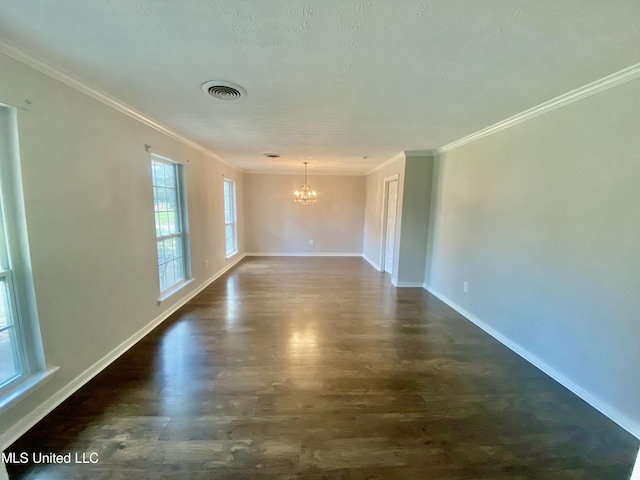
(296, 172)
(432, 152)
(74, 82)
(403, 155)
(613, 80)
(398, 156)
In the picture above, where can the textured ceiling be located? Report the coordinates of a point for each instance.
(329, 81)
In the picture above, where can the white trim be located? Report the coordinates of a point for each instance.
(301, 254)
(173, 289)
(180, 190)
(406, 284)
(28, 385)
(37, 414)
(613, 80)
(321, 172)
(74, 82)
(234, 216)
(596, 402)
(432, 152)
(27, 346)
(395, 158)
(371, 262)
(382, 258)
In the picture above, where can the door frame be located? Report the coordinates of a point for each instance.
(383, 220)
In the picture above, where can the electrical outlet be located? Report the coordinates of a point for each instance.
(465, 287)
(310, 242)
(206, 264)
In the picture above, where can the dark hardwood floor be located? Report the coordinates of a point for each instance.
(318, 368)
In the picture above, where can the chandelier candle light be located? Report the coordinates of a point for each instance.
(305, 195)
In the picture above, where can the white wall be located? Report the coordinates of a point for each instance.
(275, 224)
(89, 208)
(543, 221)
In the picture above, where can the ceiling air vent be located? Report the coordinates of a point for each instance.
(224, 90)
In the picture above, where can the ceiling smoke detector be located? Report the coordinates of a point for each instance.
(226, 91)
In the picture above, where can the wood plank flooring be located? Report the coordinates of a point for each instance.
(318, 368)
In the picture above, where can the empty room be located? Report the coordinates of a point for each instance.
(323, 239)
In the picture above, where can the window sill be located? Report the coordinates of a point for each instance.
(173, 290)
(26, 386)
(232, 254)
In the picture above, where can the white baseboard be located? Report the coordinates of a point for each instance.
(407, 284)
(372, 263)
(20, 428)
(302, 254)
(398, 284)
(596, 402)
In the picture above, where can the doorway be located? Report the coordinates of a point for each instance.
(389, 223)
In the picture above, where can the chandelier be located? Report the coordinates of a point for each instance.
(305, 195)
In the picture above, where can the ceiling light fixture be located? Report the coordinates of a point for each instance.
(305, 195)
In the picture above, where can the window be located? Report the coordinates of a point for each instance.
(230, 233)
(10, 336)
(170, 215)
(21, 354)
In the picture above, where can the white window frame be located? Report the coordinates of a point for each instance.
(13, 328)
(15, 269)
(182, 235)
(230, 250)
